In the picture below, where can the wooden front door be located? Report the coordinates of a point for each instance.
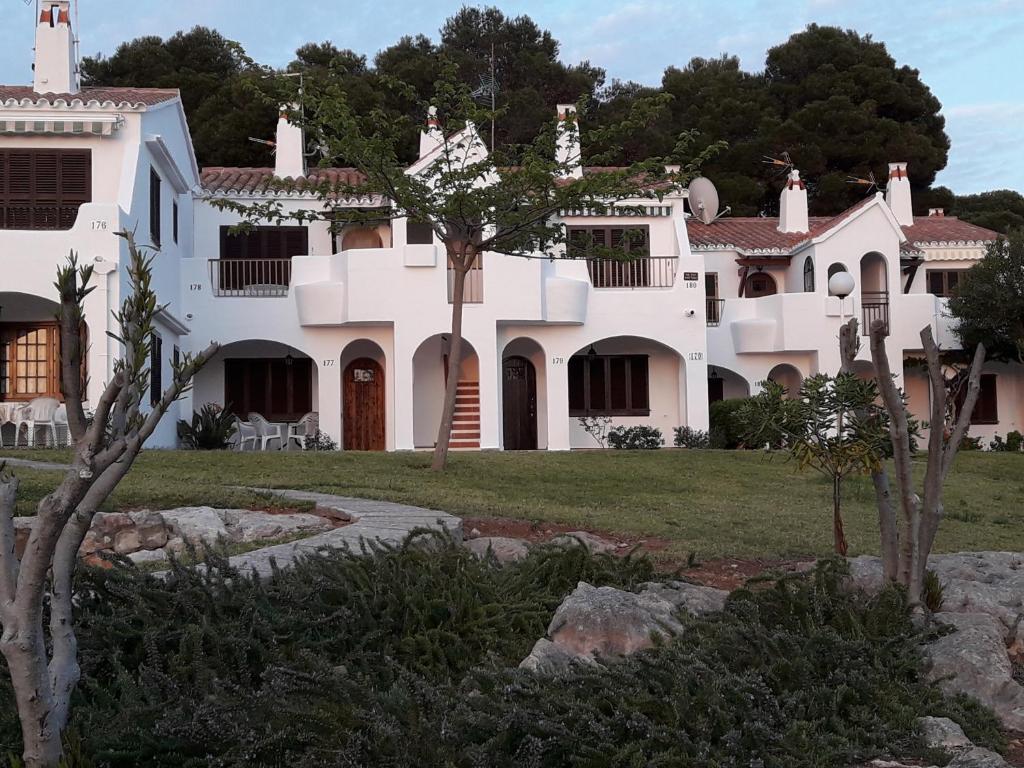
(363, 405)
(519, 401)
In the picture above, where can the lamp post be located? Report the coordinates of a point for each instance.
(841, 285)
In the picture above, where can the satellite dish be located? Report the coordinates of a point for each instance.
(703, 199)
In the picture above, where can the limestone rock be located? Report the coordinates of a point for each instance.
(109, 523)
(973, 660)
(246, 526)
(606, 622)
(550, 658)
(595, 544)
(943, 733)
(127, 541)
(692, 598)
(196, 525)
(505, 549)
(148, 556)
(151, 527)
(973, 582)
(978, 757)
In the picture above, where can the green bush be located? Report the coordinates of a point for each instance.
(210, 430)
(640, 437)
(686, 437)
(1013, 443)
(725, 430)
(413, 651)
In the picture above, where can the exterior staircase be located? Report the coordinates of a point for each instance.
(466, 426)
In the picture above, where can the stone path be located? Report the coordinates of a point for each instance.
(371, 522)
(32, 464)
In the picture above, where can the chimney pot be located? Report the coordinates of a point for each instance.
(937, 212)
(897, 194)
(431, 137)
(55, 69)
(290, 146)
(793, 204)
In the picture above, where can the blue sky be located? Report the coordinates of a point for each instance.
(970, 52)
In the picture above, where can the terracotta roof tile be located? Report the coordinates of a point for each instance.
(929, 230)
(761, 234)
(257, 181)
(119, 96)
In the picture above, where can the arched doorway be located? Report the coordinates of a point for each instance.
(361, 237)
(874, 291)
(789, 377)
(519, 403)
(724, 384)
(431, 370)
(760, 284)
(363, 405)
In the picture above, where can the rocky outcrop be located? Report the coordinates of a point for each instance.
(972, 582)
(973, 660)
(504, 549)
(594, 544)
(602, 624)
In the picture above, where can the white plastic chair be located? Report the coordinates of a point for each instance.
(41, 412)
(246, 433)
(300, 430)
(266, 431)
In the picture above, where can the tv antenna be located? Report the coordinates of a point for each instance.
(488, 90)
(783, 163)
(870, 182)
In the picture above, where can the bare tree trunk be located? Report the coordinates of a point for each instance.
(849, 344)
(838, 532)
(444, 431)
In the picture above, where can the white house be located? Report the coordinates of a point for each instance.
(353, 325)
(76, 166)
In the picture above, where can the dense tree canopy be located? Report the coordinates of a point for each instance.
(833, 99)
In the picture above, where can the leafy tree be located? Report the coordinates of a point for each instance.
(988, 306)
(1001, 210)
(44, 670)
(834, 427)
(217, 83)
(847, 108)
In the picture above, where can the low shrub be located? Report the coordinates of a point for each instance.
(640, 437)
(687, 437)
(211, 428)
(414, 650)
(321, 441)
(1013, 444)
(725, 431)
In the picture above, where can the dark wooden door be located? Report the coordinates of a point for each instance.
(519, 399)
(716, 390)
(363, 405)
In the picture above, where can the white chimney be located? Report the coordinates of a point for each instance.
(567, 146)
(793, 204)
(56, 67)
(431, 136)
(897, 194)
(290, 155)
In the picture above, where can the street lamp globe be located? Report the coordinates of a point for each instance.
(841, 284)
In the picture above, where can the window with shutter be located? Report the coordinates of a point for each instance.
(943, 282)
(43, 189)
(609, 385)
(154, 207)
(259, 258)
(280, 389)
(604, 247)
(156, 370)
(174, 222)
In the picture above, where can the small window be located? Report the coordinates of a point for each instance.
(711, 285)
(609, 385)
(835, 268)
(809, 274)
(174, 222)
(943, 282)
(156, 370)
(419, 233)
(154, 207)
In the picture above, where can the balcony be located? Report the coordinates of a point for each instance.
(715, 310)
(38, 216)
(644, 272)
(874, 306)
(254, 278)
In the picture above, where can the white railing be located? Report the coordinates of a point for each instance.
(250, 277)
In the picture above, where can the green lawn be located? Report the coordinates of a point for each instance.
(713, 503)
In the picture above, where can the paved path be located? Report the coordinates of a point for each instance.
(31, 464)
(380, 522)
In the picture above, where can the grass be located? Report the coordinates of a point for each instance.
(712, 503)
